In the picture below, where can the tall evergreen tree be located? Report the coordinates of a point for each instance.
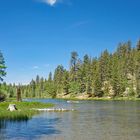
(2, 74)
(104, 66)
(33, 88)
(50, 77)
(58, 78)
(98, 87)
(86, 74)
(2, 67)
(41, 87)
(138, 69)
(73, 66)
(66, 82)
(37, 79)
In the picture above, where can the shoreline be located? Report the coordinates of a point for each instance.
(95, 99)
(102, 99)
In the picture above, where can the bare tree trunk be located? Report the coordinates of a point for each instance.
(19, 94)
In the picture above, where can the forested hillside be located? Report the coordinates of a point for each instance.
(110, 75)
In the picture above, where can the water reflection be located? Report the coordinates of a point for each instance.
(28, 130)
(93, 120)
(2, 125)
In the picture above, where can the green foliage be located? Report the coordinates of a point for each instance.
(138, 69)
(2, 74)
(110, 75)
(50, 77)
(59, 78)
(73, 66)
(66, 83)
(74, 88)
(98, 87)
(2, 67)
(51, 90)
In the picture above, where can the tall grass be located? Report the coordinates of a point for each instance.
(24, 111)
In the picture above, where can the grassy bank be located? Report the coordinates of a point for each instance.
(24, 111)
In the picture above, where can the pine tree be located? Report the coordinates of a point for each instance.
(41, 87)
(37, 79)
(117, 77)
(86, 74)
(73, 66)
(58, 78)
(98, 87)
(104, 66)
(138, 45)
(66, 81)
(50, 77)
(2, 67)
(2, 74)
(33, 88)
(138, 69)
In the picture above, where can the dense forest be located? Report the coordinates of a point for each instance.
(110, 75)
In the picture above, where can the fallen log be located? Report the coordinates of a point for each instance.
(54, 109)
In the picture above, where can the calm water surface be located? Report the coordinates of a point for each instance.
(93, 120)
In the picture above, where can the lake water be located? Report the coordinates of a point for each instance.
(92, 120)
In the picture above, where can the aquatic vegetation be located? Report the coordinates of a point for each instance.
(24, 111)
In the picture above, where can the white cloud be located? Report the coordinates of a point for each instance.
(35, 67)
(50, 2)
(54, 2)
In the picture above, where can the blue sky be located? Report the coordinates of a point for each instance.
(37, 35)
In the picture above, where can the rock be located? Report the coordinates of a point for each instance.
(12, 107)
(73, 102)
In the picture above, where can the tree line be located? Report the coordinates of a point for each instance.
(111, 75)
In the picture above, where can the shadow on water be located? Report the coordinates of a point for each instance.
(28, 129)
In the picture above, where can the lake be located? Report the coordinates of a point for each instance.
(92, 120)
